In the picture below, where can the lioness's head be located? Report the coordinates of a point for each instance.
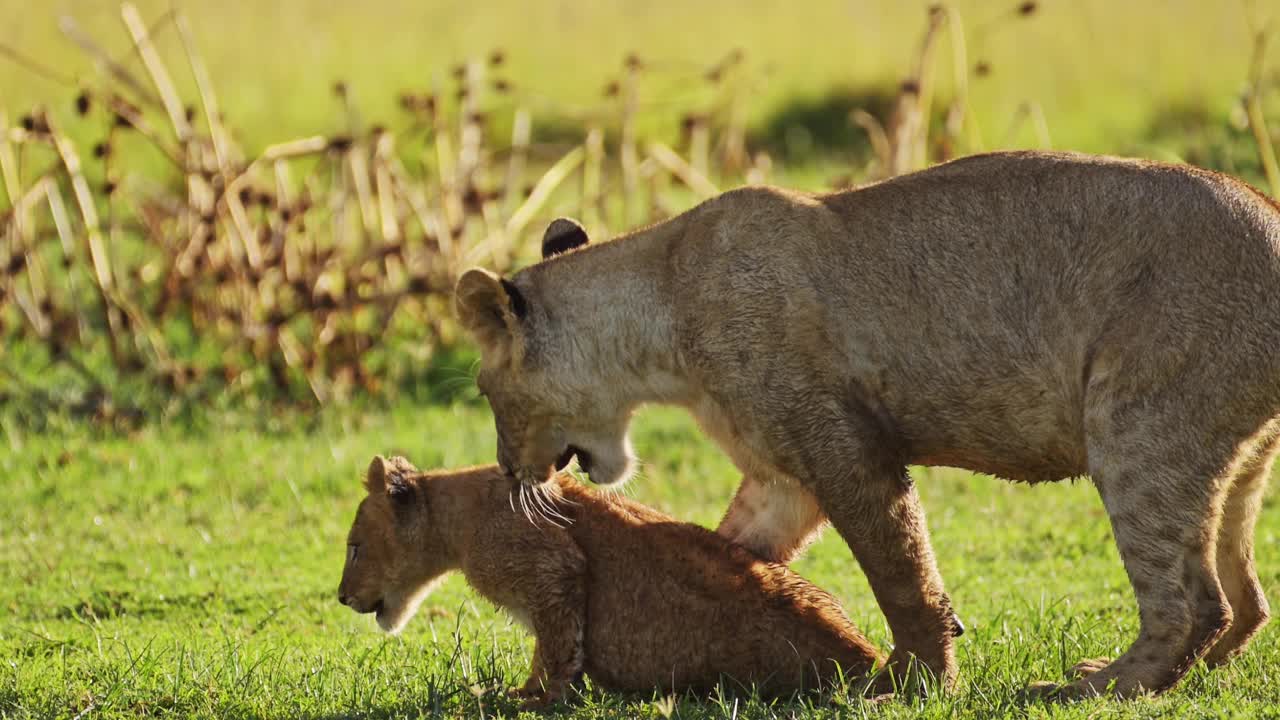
(394, 550)
(537, 378)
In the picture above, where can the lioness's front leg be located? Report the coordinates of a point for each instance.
(773, 516)
(873, 505)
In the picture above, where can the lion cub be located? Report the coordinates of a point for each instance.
(609, 587)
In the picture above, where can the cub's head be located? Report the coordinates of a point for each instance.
(394, 550)
(539, 374)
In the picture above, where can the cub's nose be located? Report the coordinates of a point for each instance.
(345, 599)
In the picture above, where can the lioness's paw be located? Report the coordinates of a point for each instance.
(1085, 668)
(1059, 692)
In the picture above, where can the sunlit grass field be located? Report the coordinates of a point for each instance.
(192, 572)
(189, 568)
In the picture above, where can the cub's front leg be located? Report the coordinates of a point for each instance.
(540, 573)
(557, 610)
(773, 516)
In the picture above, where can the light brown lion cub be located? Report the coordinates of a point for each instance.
(614, 589)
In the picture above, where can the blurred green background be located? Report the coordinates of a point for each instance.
(1134, 77)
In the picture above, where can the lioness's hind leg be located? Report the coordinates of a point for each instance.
(1249, 607)
(775, 518)
(1165, 513)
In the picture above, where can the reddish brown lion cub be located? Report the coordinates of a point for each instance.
(614, 589)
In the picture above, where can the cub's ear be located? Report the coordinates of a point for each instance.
(375, 478)
(388, 476)
(491, 309)
(562, 235)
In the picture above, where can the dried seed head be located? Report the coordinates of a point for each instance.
(109, 187)
(612, 89)
(691, 121)
(102, 150)
(83, 103)
(459, 72)
(982, 69)
(412, 102)
(245, 195)
(419, 285)
(340, 89)
(633, 62)
(501, 86)
(340, 143)
(190, 112)
(1028, 8)
(909, 87)
(497, 57)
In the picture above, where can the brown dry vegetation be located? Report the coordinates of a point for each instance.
(160, 252)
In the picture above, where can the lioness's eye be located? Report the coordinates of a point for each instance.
(352, 551)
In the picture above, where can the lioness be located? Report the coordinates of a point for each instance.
(609, 587)
(1030, 315)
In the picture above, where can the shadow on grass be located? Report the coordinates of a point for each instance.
(812, 128)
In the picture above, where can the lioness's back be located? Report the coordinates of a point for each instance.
(981, 297)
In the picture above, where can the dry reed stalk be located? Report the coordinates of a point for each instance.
(961, 112)
(923, 78)
(542, 190)
(683, 171)
(9, 171)
(88, 211)
(103, 60)
(628, 154)
(592, 172)
(521, 132)
(62, 225)
(208, 98)
(1253, 109)
(699, 144)
(384, 149)
(156, 69)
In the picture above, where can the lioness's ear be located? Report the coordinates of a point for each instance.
(491, 309)
(562, 235)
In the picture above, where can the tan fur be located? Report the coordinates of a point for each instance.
(1035, 316)
(609, 587)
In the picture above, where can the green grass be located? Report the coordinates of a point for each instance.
(190, 569)
(191, 572)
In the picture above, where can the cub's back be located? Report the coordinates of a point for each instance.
(674, 604)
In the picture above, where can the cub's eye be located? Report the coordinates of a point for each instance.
(352, 552)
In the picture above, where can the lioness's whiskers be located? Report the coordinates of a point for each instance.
(548, 511)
